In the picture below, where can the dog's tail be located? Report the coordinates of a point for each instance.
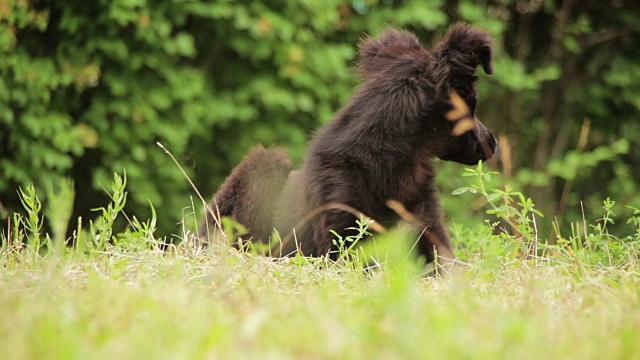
(249, 194)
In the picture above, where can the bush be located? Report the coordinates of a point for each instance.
(93, 87)
(89, 88)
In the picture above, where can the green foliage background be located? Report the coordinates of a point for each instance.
(87, 88)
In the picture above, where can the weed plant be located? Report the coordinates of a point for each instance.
(126, 294)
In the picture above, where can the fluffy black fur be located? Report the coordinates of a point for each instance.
(380, 146)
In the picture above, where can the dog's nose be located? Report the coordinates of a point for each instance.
(490, 141)
(493, 142)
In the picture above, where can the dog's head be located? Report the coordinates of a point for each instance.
(462, 50)
(417, 85)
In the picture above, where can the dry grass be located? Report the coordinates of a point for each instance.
(224, 304)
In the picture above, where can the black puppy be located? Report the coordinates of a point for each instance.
(379, 147)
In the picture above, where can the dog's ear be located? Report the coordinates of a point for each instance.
(464, 49)
(485, 59)
(375, 55)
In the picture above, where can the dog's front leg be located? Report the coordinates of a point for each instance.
(434, 242)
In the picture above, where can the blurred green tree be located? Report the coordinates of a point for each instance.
(88, 88)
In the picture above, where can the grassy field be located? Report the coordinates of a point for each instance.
(124, 298)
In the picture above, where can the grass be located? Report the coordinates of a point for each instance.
(125, 298)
